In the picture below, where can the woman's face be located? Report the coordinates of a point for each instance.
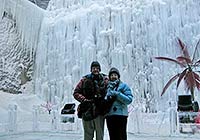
(113, 77)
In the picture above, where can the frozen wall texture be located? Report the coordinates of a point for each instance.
(126, 34)
(19, 31)
(15, 63)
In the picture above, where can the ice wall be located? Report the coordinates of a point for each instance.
(20, 22)
(27, 17)
(126, 34)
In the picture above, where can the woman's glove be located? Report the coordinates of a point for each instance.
(111, 94)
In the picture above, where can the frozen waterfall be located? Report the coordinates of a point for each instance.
(28, 18)
(125, 34)
(19, 32)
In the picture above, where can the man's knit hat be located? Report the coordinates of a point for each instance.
(95, 64)
(114, 70)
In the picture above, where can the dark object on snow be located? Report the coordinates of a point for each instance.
(68, 109)
(185, 103)
(195, 106)
(67, 118)
(187, 117)
(87, 110)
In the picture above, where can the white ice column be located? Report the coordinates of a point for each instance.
(173, 117)
(35, 118)
(12, 117)
(54, 119)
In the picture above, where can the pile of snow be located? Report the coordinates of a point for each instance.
(24, 103)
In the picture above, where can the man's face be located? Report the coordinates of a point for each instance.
(114, 77)
(95, 70)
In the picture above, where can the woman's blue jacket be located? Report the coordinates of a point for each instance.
(123, 98)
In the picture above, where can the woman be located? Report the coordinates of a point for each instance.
(116, 118)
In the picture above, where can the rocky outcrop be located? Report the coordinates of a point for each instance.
(41, 3)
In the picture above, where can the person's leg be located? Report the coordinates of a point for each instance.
(122, 120)
(112, 126)
(88, 127)
(117, 127)
(99, 127)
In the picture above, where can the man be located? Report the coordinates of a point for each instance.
(90, 91)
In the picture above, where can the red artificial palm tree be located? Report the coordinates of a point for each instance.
(189, 75)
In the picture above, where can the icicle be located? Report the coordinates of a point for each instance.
(12, 118)
(173, 117)
(54, 120)
(35, 113)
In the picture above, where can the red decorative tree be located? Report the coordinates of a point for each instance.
(189, 74)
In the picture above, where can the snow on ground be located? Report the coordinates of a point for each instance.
(24, 104)
(75, 136)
